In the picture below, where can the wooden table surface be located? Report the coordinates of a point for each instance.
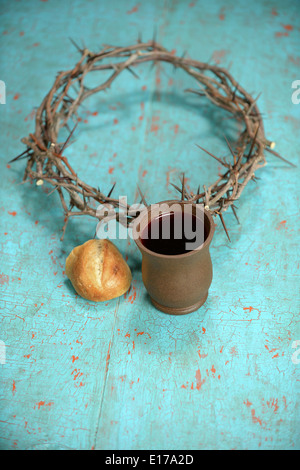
(122, 375)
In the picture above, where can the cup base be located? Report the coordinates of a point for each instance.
(179, 311)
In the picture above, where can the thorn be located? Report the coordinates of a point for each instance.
(218, 159)
(19, 156)
(143, 197)
(235, 214)
(66, 220)
(76, 45)
(113, 187)
(253, 142)
(182, 188)
(279, 156)
(66, 99)
(66, 142)
(51, 192)
(230, 148)
(224, 226)
(176, 187)
(198, 192)
(252, 104)
(133, 72)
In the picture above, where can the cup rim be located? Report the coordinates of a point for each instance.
(182, 255)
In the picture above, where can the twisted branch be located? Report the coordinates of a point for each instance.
(46, 162)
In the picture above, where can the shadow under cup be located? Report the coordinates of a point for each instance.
(174, 239)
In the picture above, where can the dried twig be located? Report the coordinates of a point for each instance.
(45, 156)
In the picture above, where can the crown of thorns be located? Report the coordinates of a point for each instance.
(46, 162)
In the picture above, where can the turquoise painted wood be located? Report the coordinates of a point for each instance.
(122, 375)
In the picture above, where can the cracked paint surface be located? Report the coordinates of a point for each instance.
(122, 375)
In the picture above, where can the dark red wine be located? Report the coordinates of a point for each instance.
(173, 233)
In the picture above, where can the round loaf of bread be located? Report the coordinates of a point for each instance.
(98, 271)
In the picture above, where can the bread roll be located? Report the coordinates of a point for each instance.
(98, 271)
